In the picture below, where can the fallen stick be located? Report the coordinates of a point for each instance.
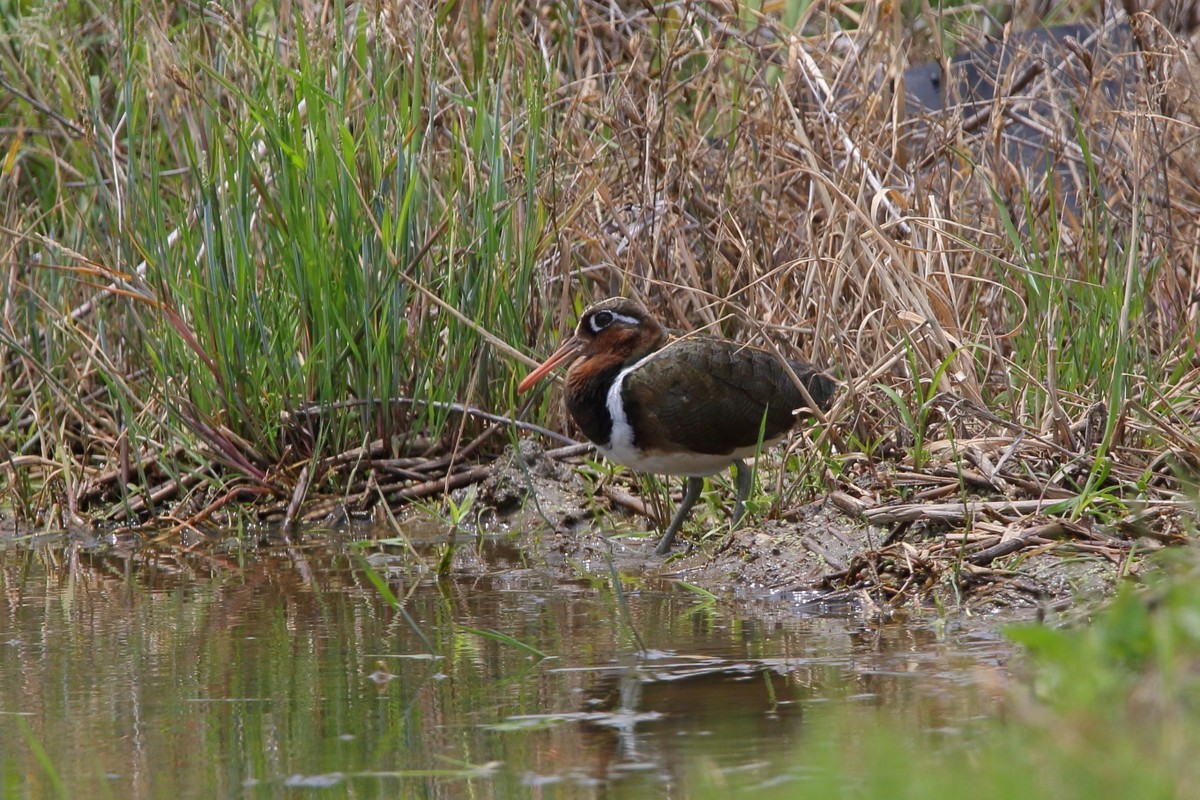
(632, 503)
(1020, 541)
(98, 484)
(439, 486)
(570, 451)
(848, 503)
(952, 512)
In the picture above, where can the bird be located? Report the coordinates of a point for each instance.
(688, 406)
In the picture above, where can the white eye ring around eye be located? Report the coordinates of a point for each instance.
(601, 320)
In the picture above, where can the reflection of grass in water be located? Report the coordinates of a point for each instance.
(1106, 710)
(1110, 709)
(504, 638)
(43, 759)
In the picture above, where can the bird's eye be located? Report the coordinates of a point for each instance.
(601, 320)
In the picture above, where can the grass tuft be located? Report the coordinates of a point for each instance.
(286, 257)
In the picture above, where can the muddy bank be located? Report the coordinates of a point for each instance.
(544, 513)
(823, 547)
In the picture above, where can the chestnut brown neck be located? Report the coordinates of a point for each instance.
(606, 350)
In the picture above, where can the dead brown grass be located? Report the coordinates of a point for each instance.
(774, 186)
(1002, 337)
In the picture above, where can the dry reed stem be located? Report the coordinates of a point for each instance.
(770, 184)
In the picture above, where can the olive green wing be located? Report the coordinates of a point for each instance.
(713, 396)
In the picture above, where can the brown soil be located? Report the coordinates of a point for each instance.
(819, 549)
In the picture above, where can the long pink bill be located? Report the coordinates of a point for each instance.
(565, 352)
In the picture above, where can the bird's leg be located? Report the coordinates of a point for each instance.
(744, 476)
(691, 492)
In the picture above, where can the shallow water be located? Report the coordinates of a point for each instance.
(268, 669)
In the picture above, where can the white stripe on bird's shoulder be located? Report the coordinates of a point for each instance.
(623, 449)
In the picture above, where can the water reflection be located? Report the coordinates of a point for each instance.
(226, 669)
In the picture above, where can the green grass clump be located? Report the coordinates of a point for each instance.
(278, 213)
